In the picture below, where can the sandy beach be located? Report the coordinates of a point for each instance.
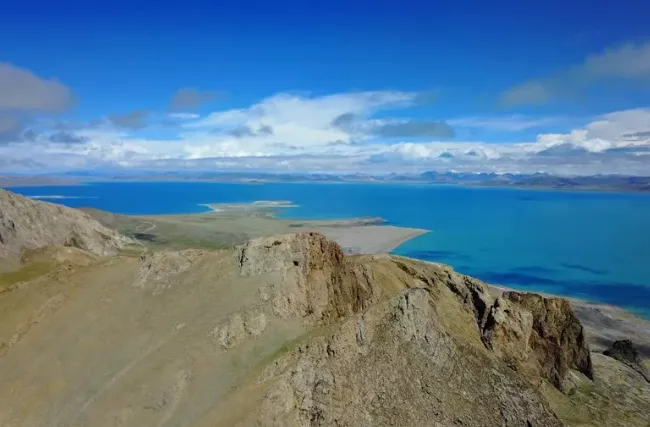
(369, 239)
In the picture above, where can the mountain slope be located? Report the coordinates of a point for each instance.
(282, 331)
(30, 224)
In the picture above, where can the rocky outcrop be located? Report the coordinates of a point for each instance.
(397, 364)
(29, 224)
(159, 270)
(624, 351)
(539, 337)
(238, 327)
(507, 332)
(557, 341)
(309, 276)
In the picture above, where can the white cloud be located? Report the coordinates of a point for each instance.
(295, 124)
(301, 133)
(616, 125)
(304, 121)
(606, 132)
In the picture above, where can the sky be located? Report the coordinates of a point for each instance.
(371, 87)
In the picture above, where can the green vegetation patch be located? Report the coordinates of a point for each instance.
(24, 273)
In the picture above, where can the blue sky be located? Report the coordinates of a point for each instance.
(473, 86)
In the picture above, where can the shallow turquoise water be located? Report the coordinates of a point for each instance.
(590, 245)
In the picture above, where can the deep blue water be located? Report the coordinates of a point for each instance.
(594, 246)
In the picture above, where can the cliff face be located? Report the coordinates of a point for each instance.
(315, 281)
(282, 331)
(556, 339)
(30, 224)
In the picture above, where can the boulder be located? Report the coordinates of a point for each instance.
(625, 352)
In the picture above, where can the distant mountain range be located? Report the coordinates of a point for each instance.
(536, 180)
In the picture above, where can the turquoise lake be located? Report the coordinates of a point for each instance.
(590, 245)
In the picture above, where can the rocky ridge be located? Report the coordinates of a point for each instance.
(30, 224)
(439, 322)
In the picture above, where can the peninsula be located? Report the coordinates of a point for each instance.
(230, 224)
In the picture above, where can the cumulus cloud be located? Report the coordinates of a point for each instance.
(619, 124)
(134, 120)
(190, 97)
(627, 62)
(24, 91)
(297, 123)
(285, 108)
(348, 132)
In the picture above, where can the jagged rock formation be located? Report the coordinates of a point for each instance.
(449, 304)
(540, 337)
(624, 351)
(557, 341)
(507, 332)
(29, 224)
(398, 364)
(283, 331)
(316, 281)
